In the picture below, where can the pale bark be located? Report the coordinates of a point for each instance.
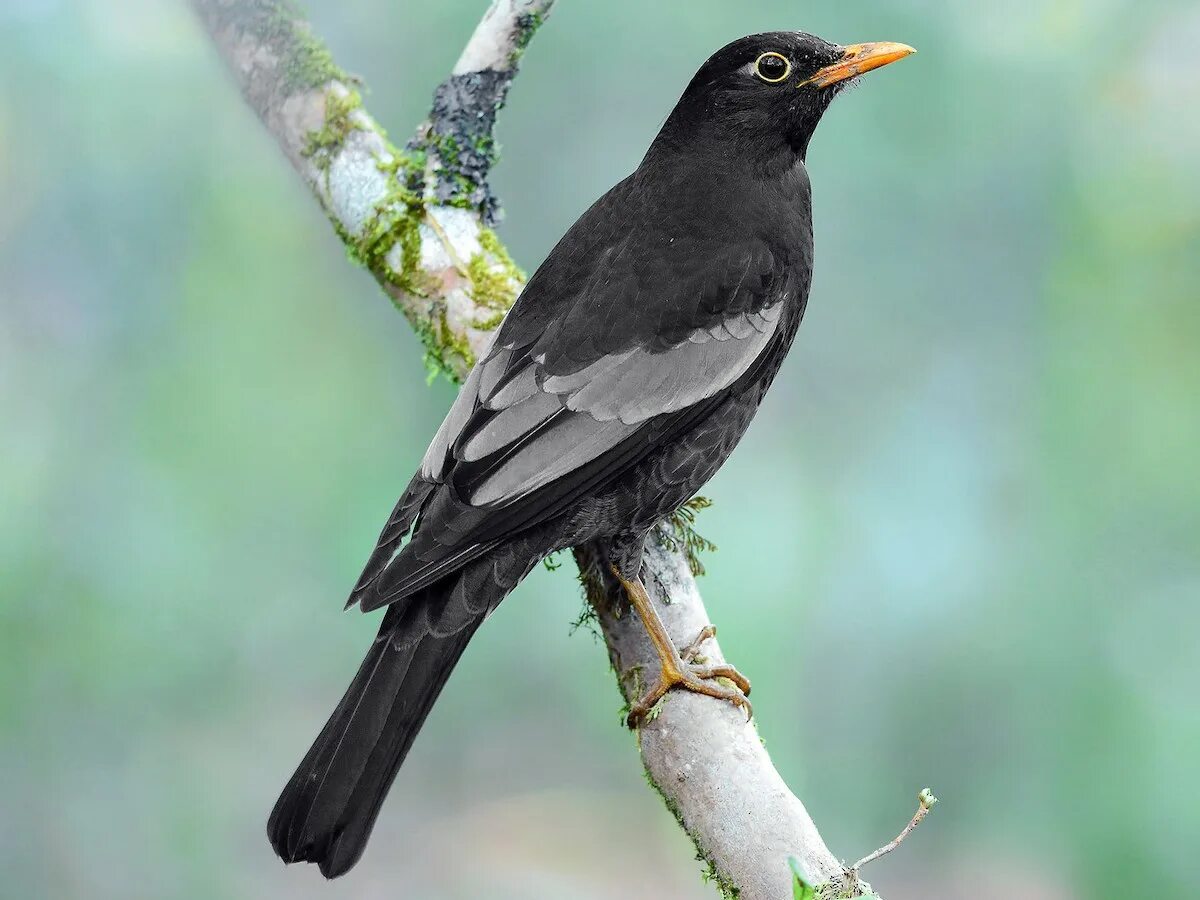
(702, 755)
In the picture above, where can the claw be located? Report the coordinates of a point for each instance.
(696, 678)
(692, 650)
(680, 670)
(728, 672)
(699, 680)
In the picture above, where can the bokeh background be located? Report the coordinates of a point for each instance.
(960, 547)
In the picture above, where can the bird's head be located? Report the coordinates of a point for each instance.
(764, 94)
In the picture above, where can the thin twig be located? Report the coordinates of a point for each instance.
(926, 801)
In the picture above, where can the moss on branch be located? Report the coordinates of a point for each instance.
(322, 145)
(677, 533)
(526, 27)
(279, 25)
(494, 279)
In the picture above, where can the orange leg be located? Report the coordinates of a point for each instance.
(678, 670)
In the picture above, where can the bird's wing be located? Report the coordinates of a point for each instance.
(529, 425)
(579, 386)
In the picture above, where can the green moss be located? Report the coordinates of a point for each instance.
(279, 25)
(678, 532)
(593, 589)
(712, 875)
(397, 217)
(323, 145)
(445, 148)
(845, 889)
(709, 874)
(486, 146)
(491, 243)
(589, 620)
(396, 221)
(310, 64)
(495, 279)
(758, 734)
(448, 153)
(527, 26)
(594, 599)
(446, 352)
(671, 805)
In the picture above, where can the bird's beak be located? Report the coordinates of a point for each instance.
(857, 59)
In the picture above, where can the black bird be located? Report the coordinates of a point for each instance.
(621, 380)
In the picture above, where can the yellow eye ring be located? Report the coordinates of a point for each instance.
(771, 72)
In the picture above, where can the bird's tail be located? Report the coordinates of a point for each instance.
(327, 811)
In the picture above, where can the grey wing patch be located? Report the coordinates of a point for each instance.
(635, 386)
(502, 411)
(510, 401)
(570, 383)
(516, 427)
(554, 424)
(581, 415)
(506, 427)
(566, 442)
(487, 371)
(492, 367)
(518, 385)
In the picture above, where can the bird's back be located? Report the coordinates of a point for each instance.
(676, 287)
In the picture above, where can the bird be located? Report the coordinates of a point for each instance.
(626, 372)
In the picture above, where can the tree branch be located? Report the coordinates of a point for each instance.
(419, 218)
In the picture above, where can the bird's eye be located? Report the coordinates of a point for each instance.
(772, 67)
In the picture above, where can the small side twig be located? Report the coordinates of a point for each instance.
(926, 801)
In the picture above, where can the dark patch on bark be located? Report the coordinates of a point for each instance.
(460, 133)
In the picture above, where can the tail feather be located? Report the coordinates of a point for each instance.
(328, 808)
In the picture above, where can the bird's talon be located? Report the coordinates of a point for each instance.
(726, 673)
(691, 653)
(719, 682)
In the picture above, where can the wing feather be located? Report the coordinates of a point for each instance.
(607, 355)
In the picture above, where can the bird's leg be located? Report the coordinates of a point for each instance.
(675, 671)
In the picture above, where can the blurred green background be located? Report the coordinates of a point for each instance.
(960, 547)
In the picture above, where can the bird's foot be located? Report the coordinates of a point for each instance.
(699, 679)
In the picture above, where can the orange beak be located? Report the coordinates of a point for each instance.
(857, 59)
